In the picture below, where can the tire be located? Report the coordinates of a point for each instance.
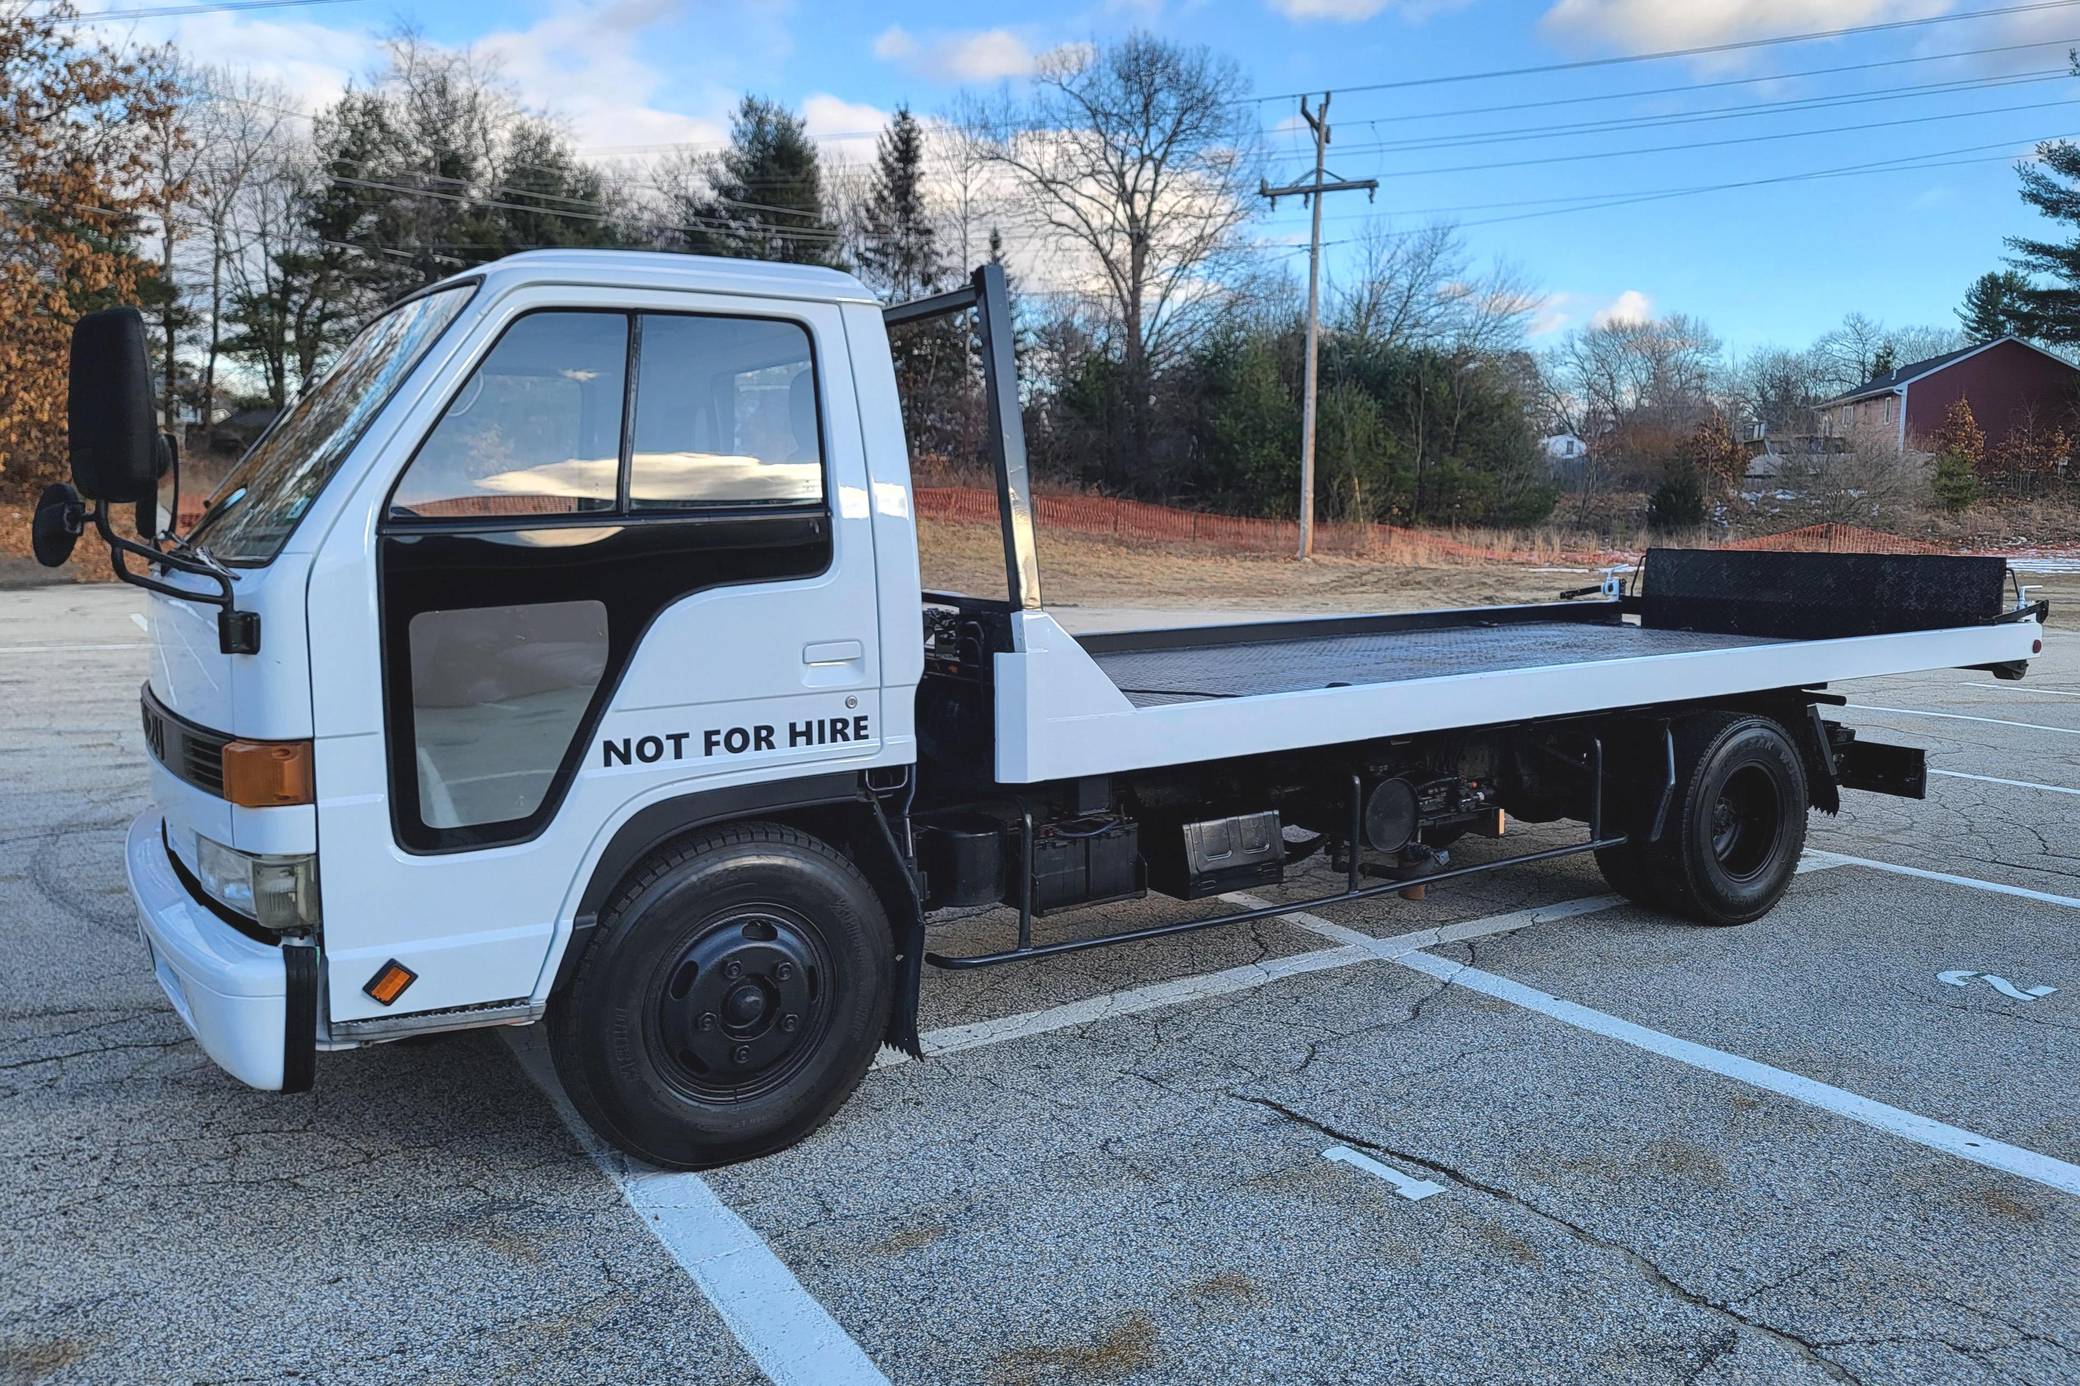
(1627, 871)
(1738, 824)
(733, 996)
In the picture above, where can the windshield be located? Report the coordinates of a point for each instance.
(252, 513)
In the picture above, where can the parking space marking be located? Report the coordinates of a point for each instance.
(791, 1337)
(1996, 779)
(66, 649)
(1969, 882)
(1249, 976)
(1413, 1189)
(1963, 717)
(2030, 688)
(1911, 1126)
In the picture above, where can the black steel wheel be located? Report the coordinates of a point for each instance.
(732, 997)
(1738, 826)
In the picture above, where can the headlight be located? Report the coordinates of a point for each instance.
(277, 893)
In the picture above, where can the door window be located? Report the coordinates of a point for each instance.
(497, 694)
(725, 414)
(535, 431)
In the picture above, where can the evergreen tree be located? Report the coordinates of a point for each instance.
(1884, 360)
(1960, 447)
(1993, 305)
(764, 195)
(899, 254)
(2052, 186)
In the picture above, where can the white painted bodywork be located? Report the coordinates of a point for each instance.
(487, 927)
(1059, 716)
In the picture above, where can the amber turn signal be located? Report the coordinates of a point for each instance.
(267, 774)
(390, 981)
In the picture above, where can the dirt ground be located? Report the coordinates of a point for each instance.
(1078, 571)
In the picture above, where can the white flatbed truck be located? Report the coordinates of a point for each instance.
(557, 657)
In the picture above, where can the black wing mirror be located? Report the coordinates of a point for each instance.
(115, 440)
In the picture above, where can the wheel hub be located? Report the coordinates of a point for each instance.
(742, 1002)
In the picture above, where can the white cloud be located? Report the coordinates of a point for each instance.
(312, 63)
(1638, 26)
(591, 68)
(1632, 306)
(846, 130)
(965, 55)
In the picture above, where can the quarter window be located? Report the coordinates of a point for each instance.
(535, 431)
(726, 413)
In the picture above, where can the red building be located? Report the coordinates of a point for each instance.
(2009, 384)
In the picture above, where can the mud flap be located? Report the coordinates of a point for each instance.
(300, 1017)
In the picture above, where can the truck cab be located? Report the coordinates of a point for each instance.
(561, 655)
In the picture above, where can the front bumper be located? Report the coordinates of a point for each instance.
(252, 1006)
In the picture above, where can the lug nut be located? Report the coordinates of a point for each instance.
(790, 1023)
(783, 972)
(733, 970)
(707, 1020)
(742, 1054)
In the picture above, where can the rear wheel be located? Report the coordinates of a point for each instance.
(1738, 825)
(1627, 871)
(733, 996)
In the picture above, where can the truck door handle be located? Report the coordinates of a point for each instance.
(834, 652)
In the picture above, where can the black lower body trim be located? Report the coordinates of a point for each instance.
(300, 1018)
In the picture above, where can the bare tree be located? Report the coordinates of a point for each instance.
(239, 123)
(1139, 154)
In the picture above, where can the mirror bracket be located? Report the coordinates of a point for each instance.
(238, 632)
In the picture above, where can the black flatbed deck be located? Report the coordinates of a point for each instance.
(1245, 661)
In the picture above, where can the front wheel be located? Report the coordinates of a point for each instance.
(733, 996)
(1738, 826)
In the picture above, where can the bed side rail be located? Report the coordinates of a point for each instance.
(1818, 596)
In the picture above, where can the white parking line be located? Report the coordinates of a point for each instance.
(1969, 882)
(781, 1325)
(1356, 947)
(66, 649)
(1925, 1131)
(1962, 717)
(1995, 779)
(954, 1038)
(2026, 688)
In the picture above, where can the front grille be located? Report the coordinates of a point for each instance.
(192, 754)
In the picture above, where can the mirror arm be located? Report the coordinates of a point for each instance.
(238, 632)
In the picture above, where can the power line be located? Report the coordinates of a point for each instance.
(1720, 144)
(1699, 51)
(173, 11)
(1894, 165)
(1684, 88)
(1791, 106)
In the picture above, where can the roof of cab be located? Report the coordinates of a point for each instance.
(662, 270)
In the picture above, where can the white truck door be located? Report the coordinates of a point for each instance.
(629, 557)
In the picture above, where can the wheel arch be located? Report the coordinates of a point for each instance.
(838, 808)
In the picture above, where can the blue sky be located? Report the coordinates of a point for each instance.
(1776, 263)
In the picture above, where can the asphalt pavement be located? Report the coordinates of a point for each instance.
(1516, 1131)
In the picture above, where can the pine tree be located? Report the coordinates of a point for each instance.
(764, 198)
(899, 254)
(1960, 447)
(1992, 305)
(1884, 360)
(2052, 186)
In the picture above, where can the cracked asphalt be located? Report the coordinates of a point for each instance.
(1139, 1195)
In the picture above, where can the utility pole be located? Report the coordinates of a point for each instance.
(1312, 193)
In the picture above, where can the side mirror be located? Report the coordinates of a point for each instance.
(115, 441)
(60, 516)
(160, 511)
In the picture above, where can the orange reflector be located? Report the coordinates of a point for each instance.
(267, 774)
(390, 981)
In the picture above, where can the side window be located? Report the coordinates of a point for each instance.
(726, 413)
(535, 431)
(497, 694)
